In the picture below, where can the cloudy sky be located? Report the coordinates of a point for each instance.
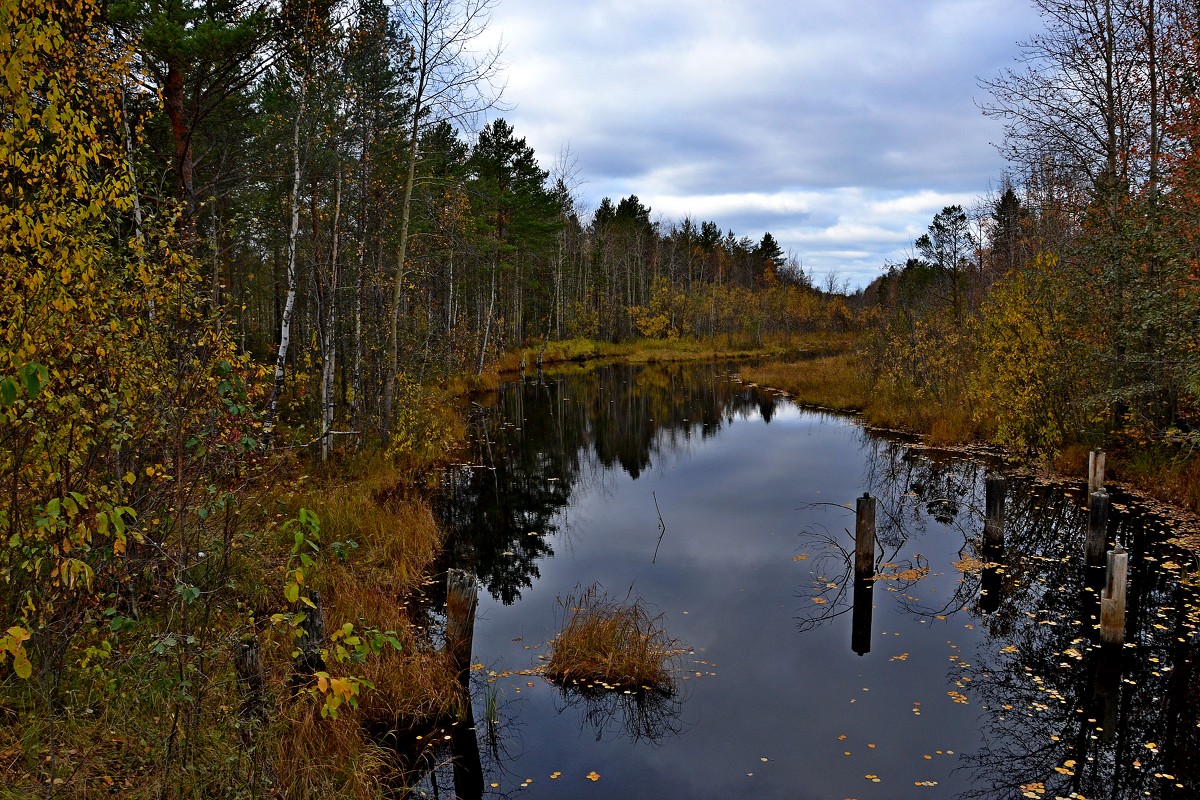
(840, 126)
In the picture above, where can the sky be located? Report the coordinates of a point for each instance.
(839, 126)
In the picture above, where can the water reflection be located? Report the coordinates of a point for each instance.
(1065, 714)
(537, 441)
(1000, 634)
(1062, 715)
(646, 716)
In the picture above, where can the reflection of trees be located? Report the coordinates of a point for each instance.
(1060, 713)
(1061, 710)
(912, 488)
(535, 442)
(644, 716)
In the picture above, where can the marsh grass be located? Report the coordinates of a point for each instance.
(1172, 473)
(833, 382)
(842, 382)
(649, 351)
(607, 645)
(388, 540)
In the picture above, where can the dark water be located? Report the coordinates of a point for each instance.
(941, 679)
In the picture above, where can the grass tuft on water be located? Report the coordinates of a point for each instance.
(607, 645)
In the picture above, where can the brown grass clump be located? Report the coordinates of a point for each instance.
(320, 758)
(379, 584)
(834, 382)
(841, 382)
(608, 645)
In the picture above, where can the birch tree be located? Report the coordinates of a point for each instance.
(451, 81)
(306, 26)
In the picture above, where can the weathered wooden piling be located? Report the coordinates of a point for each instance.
(312, 638)
(993, 526)
(1095, 473)
(461, 598)
(1112, 599)
(251, 678)
(1097, 530)
(864, 537)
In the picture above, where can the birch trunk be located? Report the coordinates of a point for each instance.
(285, 328)
(487, 326)
(329, 326)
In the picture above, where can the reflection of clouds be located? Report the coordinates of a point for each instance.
(734, 505)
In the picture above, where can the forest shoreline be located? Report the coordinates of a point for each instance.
(841, 383)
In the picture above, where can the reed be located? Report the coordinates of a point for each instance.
(609, 645)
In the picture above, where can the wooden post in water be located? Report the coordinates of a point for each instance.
(1097, 531)
(993, 526)
(461, 597)
(1112, 599)
(1095, 473)
(864, 537)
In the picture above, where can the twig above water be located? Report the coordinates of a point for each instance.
(662, 527)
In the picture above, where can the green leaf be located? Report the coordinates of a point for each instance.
(8, 392)
(35, 377)
(291, 592)
(188, 593)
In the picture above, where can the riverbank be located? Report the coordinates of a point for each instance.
(140, 711)
(579, 352)
(1162, 470)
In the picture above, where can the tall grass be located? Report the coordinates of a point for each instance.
(842, 382)
(648, 351)
(609, 645)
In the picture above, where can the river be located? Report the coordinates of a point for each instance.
(729, 511)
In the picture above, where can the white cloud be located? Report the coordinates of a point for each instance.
(825, 122)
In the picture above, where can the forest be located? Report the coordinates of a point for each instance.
(251, 251)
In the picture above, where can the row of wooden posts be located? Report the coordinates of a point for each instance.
(1115, 561)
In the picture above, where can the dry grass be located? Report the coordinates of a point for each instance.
(322, 758)
(833, 382)
(1165, 473)
(373, 577)
(648, 351)
(841, 383)
(608, 645)
(380, 583)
